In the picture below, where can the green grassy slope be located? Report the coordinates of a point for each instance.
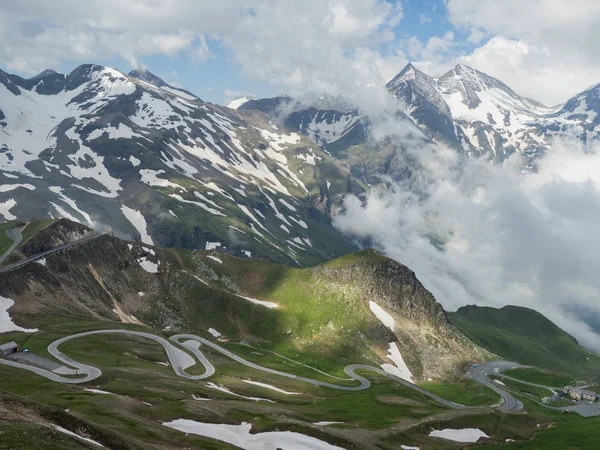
(323, 311)
(525, 336)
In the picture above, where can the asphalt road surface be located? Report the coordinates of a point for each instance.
(17, 237)
(47, 252)
(180, 360)
(480, 374)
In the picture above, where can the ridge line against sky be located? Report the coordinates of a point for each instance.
(264, 48)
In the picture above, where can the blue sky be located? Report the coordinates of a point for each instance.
(266, 47)
(220, 77)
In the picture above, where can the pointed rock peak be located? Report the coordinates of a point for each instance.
(410, 72)
(82, 74)
(147, 76)
(45, 73)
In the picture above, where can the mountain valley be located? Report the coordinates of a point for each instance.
(131, 207)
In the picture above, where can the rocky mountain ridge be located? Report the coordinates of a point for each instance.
(155, 162)
(479, 115)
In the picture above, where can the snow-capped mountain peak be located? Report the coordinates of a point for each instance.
(409, 73)
(474, 111)
(236, 103)
(148, 77)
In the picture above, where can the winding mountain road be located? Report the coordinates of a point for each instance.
(180, 360)
(16, 235)
(46, 253)
(480, 374)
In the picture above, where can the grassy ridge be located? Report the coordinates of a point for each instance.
(466, 392)
(525, 336)
(542, 377)
(5, 242)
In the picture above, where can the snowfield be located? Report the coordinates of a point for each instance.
(383, 316)
(70, 433)
(463, 435)
(399, 368)
(273, 388)
(230, 392)
(214, 332)
(240, 436)
(139, 223)
(6, 323)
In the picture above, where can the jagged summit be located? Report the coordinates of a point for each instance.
(410, 72)
(472, 111)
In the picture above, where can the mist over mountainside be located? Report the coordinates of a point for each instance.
(481, 116)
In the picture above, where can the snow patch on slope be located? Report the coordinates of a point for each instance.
(139, 222)
(6, 323)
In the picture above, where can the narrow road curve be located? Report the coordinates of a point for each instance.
(480, 374)
(49, 252)
(16, 235)
(178, 357)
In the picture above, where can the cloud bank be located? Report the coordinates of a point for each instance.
(478, 234)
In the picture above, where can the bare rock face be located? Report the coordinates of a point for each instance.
(61, 232)
(392, 285)
(431, 346)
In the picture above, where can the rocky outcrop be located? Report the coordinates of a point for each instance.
(393, 285)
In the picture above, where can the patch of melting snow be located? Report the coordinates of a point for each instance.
(6, 323)
(214, 332)
(273, 388)
(247, 253)
(139, 223)
(499, 382)
(98, 391)
(463, 435)
(407, 447)
(212, 245)
(241, 436)
(259, 302)
(383, 316)
(162, 363)
(75, 435)
(324, 424)
(214, 258)
(147, 265)
(146, 403)
(141, 294)
(227, 391)
(302, 223)
(400, 369)
(5, 208)
(201, 399)
(287, 205)
(41, 261)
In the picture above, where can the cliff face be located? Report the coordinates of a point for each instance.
(391, 284)
(429, 343)
(87, 281)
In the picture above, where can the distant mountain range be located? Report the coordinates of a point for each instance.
(479, 115)
(259, 178)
